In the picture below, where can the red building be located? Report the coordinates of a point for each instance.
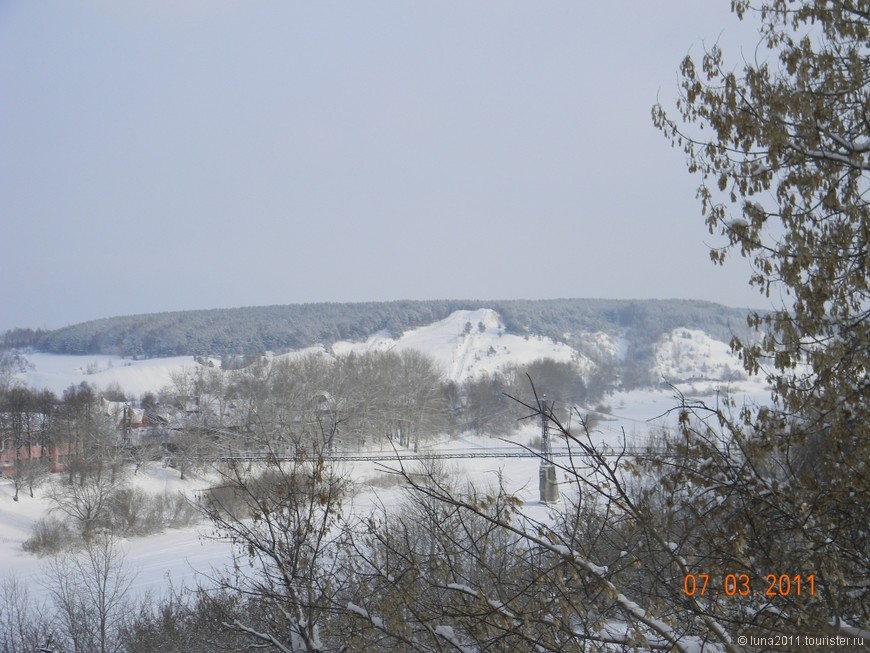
(12, 457)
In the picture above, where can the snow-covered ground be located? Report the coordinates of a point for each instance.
(57, 372)
(181, 555)
(637, 413)
(465, 344)
(188, 555)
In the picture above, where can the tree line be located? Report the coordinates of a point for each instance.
(370, 400)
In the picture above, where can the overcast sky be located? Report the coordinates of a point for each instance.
(176, 154)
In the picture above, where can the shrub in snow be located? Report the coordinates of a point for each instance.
(50, 536)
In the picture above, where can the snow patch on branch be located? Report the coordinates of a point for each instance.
(498, 606)
(377, 622)
(568, 553)
(446, 633)
(462, 588)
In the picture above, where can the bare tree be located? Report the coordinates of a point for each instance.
(19, 427)
(188, 621)
(24, 624)
(88, 435)
(433, 576)
(282, 515)
(11, 363)
(86, 502)
(91, 594)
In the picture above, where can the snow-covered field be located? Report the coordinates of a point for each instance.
(465, 344)
(180, 555)
(187, 556)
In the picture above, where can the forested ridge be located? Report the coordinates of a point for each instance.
(254, 330)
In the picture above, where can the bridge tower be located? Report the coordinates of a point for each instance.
(549, 488)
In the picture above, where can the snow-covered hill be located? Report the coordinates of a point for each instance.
(689, 355)
(465, 344)
(468, 343)
(56, 372)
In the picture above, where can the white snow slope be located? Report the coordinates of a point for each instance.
(468, 343)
